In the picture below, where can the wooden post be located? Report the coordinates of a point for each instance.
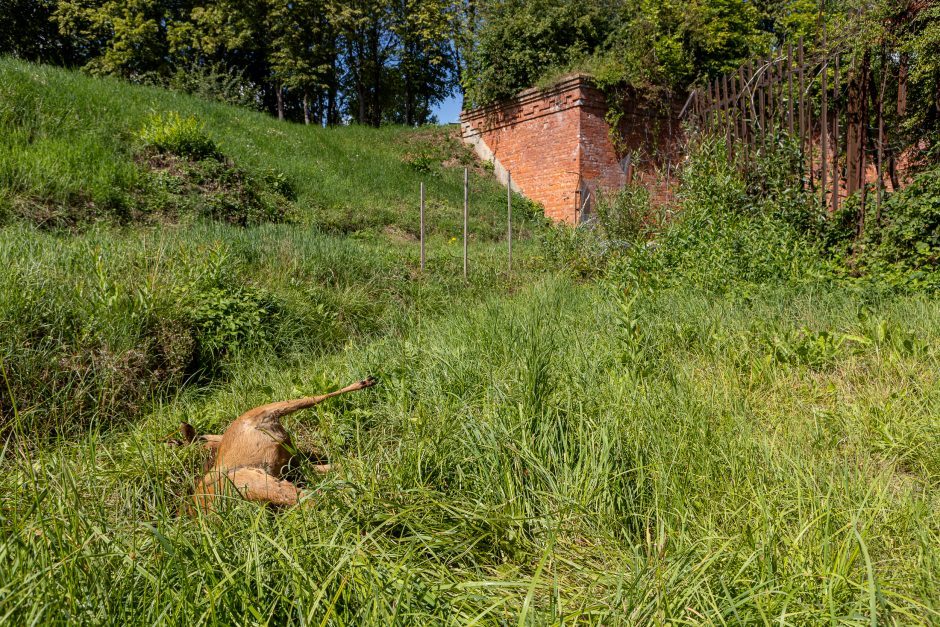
(466, 216)
(422, 227)
(790, 87)
(509, 216)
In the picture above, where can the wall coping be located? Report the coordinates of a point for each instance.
(566, 84)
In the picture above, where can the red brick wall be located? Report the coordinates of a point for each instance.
(556, 140)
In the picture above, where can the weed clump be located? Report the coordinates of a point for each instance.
(177, 135)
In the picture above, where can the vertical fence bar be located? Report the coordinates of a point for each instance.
(771, 90)
(801, 104)
(761, 74)
(743, 119)
(809, 135)
(881, 135)
(823, 127)
(835, 138)
(509, 216)
(790, 103)
(727, 108)
(422, 227)
(466, 216)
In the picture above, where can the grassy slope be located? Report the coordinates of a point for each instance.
(548, 457)
(64, 135)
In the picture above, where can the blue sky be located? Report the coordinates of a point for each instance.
(449, 110)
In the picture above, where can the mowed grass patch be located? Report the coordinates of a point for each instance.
(566, 455)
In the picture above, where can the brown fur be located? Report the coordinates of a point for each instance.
(250, 457)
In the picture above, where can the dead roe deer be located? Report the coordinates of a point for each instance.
(251, 455)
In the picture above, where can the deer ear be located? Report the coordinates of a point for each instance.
(188, 432)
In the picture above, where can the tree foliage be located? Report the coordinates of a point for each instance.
(323, 61)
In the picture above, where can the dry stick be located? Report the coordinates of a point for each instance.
(790, 88)
(466, 213)
(422, 227)
(835, 139)
(509, 215)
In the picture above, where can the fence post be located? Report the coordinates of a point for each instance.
(509, 216)
(466, 213)
(422, 227)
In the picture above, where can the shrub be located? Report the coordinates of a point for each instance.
(625, 215)
(216, 82)
(911, 230)
(182, 136)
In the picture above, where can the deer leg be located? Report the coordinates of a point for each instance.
(251, 484)
(282, 408)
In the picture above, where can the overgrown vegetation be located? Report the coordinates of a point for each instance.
(714, 421)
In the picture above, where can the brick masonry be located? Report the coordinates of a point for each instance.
(557, 145)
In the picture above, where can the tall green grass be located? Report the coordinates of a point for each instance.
(559, 457)
(717, 430)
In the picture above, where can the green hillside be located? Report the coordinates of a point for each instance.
(68, 142)
(710, 425)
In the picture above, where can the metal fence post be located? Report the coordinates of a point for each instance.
(466, 213)
(509, 215)
(422, 227)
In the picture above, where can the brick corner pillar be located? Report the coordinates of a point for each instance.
(553, 141)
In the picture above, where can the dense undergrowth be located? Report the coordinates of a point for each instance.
(710, 417)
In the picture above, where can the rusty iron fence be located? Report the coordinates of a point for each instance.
(821, 104)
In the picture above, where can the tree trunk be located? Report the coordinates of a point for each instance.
(331, 117)
(280, 102)
(376, 108)
(409, 102)
(359, 83)
(306, 107)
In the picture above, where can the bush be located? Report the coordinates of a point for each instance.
(727, 232)
(911, 230)
(625, 215)
(177, 135)
(216, 82)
